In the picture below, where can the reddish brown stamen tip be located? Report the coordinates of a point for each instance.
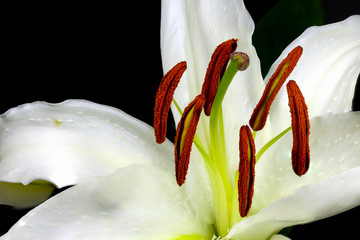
(300, 155)
(185, 133)
(215, 71)
(246, 170)
(163, 99)
(261, 111)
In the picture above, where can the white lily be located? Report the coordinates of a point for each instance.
(127, 185)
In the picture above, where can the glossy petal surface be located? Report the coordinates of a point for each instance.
(73, 142)
(326, 72)
(137, 202)
(330, 186)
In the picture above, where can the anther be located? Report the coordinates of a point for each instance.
(163, 99)
(300, 155)
(215, 71)
(246, 170)
(261, 111)
(185, 133)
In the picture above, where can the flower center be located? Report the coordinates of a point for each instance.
(232, 192)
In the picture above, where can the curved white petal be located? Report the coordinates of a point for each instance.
(334, 148)
(198, 188)
(309, 203)
(279, 237)
(330, 186)
(326, 73)
(73, 142)
(137, 202)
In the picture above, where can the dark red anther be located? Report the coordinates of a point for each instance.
(300, 155)
(185, 133)
(163, 99)
(215, 71)
(246, 170)
(261, 111)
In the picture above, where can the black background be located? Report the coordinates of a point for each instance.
(110, 54)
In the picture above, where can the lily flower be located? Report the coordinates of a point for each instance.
(224, 180)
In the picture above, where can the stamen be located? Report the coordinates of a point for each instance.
(215, 71)
(261, 111)
(163, 99)
(246, 170)
(300, 129)
(185, 133)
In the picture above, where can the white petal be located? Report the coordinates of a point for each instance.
(238, 105)
(191, 30)
(73, 142)
(331, 185)
(197, 187)
(326, 73)
(137, 202)
(279, 237)
(308, 203)
(334, 148)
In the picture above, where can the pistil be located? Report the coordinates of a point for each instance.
(238, 62)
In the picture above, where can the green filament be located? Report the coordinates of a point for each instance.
(270, 143)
